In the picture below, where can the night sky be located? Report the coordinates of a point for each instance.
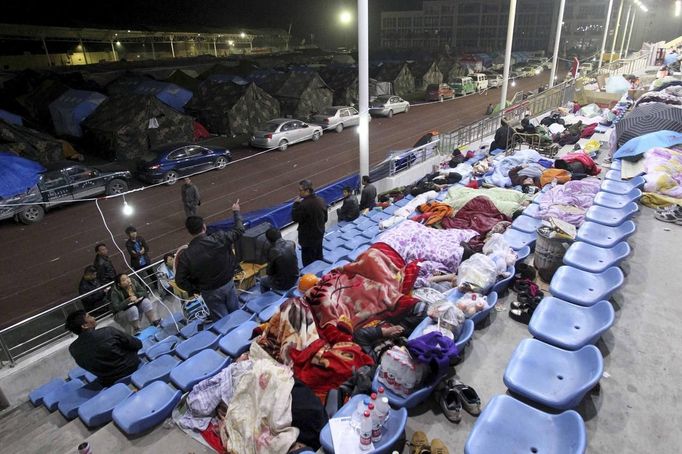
(318, 17)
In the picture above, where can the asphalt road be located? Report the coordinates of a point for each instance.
(42, 264)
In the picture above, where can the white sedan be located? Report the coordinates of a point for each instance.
(281, 132)
(387, 105)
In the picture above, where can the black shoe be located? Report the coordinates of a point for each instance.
(450, 404)
(522, 314)
(467, 396)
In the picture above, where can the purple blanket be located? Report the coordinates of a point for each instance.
(569, 201)
(438, 251)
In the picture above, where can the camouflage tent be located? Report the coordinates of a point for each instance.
(398, 74)
(227, 108)
(344, 81)
(234, 68)
(304, 93)
(182, 79)
(268, 79)
(425, 73)
(30, 144)
(125, 83)
(450, 69)
(37, 102)
(126, 126)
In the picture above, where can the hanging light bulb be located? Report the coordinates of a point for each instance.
(513, 84)
(127, 209)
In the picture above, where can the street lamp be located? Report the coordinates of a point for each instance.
(242, 35)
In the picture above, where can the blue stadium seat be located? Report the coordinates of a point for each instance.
(200, 341)
(569, 326)
(363, 223)
(159, 369)
(36, 396)
(460, 342)
(532, 210)
(146, 408)
(553, 376)
(622, 187)
(507, 425)
(68, 406)
(353, 255)
(170, 320)
(609, 200)
(345, 226)
(78, 373)
(315, 268)
(522, 254)
(378, 215)
(267, 313)
(51, 399)
(238, 340)
(332, 244)
(492, 302)
(393, 429)
(584, 288)
(231, 321)
(335, 265)
(613, 175)
(259, 303)
(357, 242)
(518, 239)
(97, 411)
(410, 401)
(201, 366)
(165, 333)
(594, 259)
(146, 343)
(350, 234)
(401, 203)
(161, 348)
(611, 217)
(147, 332)
(337, 254)
(526, 224)
(190, 329)
(393, 208)
(331, 234)
(604, 236)
(370, 233)
(616, 164)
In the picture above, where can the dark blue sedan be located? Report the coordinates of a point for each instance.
(171, 162)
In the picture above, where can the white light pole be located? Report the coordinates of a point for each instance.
(557, 40)
(615, 32)
(363, 84)
(625, 31)
(606, 32)
(507, 54)
(632, 25)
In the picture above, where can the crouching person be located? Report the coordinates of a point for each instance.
(128, 299)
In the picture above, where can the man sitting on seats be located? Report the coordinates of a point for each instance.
(128, 298)
(282, 263)
(107, 352)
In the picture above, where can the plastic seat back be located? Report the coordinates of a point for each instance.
(146, 408)
(609, 200)
(611, 216)
(200, 341)
(238, 340)
(163, 347)
(68, 406)
(231, 321)
(595, 259)
(526, 224)
(605, 236)
(36, 396)
(51, 399)
(97, 411)
(518, 239)
(199, 367)
(159, 369)
(584, 288)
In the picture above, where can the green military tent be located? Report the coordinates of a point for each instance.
(398, 74)
(127, 126)
(343, 80)
(425, 73)
(303, 94)
(451, 68)
(37, 102)
(30, 144)
(183, 79)
(232, 109)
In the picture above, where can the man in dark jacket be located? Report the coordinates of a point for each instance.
(190, 198)
(310, 212)
(504, 136)
(282, 263)
(137, 248)
(207, 265)
(368, 198)
(88, 283)
(349, 211)
(108, 353)
(105, 269)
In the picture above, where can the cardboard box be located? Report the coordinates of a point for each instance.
(246, 278)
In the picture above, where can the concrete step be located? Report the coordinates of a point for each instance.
(60, 439)
(36, 437)
(161, 439)
(22, 419)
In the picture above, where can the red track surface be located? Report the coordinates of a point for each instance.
(42, 264)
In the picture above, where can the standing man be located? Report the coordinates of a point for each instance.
(207, 265)
(349, 211)
(105, 269)
(310, 212)
(137, 248)
(368, 198)
(190, 198)
(282, 263)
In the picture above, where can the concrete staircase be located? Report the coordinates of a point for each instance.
(28, 429)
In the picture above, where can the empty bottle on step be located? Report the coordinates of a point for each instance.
(366, 432)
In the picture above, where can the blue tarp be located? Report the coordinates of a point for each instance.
(640, 145)
(17, 174)
(11, 118)
(71, 108)
(171, 94)
(280, 215)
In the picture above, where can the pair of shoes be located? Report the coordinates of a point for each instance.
(525, 272)
(449, 403)
(467, 396)
(419, 444)
(672, 215)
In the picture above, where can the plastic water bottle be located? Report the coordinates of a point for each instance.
(382, 408)
(373, 400)
(376, 425)
(356, 419)
(366, 432)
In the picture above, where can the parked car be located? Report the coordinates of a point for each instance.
(387, 105)
(61, 183)
(480, 81)
(463, 86)
(439, 92)
(281, 132)
(171, 162)
(586, 68)
(494, 80)
(337, 118)
(528, 71)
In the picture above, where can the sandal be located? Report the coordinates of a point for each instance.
(467, 396)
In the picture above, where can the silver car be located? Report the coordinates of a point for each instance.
(388, 105)
(337, 118)
(281, 132)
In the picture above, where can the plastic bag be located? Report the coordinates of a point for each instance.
(590, 110)
(447, 316)
(477, 273)
(498, 250)
(472, 303)
(399, 372)
(495, 243)
(617, 84)
(592, 146)
(429, 295)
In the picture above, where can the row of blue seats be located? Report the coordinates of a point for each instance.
(560, 365)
